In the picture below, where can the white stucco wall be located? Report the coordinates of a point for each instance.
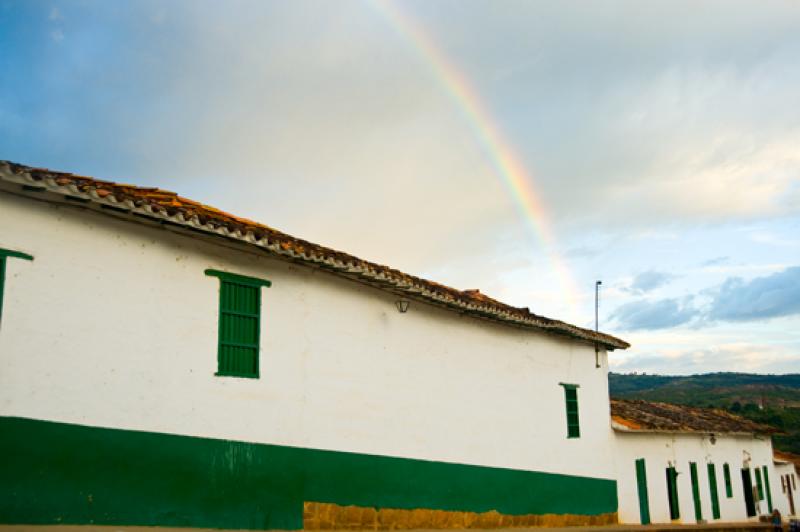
(780, 493)
(114, 324)
(662, 450)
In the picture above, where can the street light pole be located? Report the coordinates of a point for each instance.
(597, 305)
(597, 321)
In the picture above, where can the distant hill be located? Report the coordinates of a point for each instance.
(771, 399)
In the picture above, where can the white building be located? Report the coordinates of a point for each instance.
(692, 465)
(165, 363)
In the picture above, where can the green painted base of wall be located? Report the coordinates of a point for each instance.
(55, 473)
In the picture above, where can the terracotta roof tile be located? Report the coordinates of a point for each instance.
(646, 416)
(154, 202)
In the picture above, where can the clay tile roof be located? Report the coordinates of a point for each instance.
(165, 206)
(787, 457)
(645, 416)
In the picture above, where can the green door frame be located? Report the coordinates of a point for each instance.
(672, 493)
(698, 509)
(712, 486)
(747, 486)
(644, 499)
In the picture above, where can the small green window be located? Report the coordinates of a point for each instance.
(239, 324)
(5, 254)
(573, 423)
(726, 471)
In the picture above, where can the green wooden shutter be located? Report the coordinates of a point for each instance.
(769, 490)
(698, 510)
(573, 423)
(4, 255)
(644, 499)
(726, 471)
(712, 484)
(239, 324)
(759, 485)
(672, 493)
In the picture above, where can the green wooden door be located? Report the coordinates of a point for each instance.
(672, 493)
(712, 485)
(698, 510)
(644, 499)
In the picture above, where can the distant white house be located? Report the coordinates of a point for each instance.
(692, 465)
(164, 363)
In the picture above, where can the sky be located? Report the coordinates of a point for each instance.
(524, 148)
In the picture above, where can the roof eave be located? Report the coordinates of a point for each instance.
(348, 266)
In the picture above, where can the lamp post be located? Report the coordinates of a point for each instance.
(597, 321)
(597, 305)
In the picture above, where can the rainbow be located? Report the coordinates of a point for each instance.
(507, 165)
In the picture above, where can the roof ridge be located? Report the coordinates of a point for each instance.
(158, 203)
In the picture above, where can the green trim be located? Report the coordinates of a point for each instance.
(644, 498)
(698, 509)
(759, 485)
(70, 474)
(239, 325)
(15, 254)
(571, 401)
(726, 471)
(712, 486)
(672, 493)
(238, 279)
(769, 490)
(6, 254)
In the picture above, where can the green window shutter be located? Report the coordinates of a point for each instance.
(712, 484)
(672, 493)
(644, 499)
(4, 255)
(573, 422)
(726, 470)
(698, 510)
(768, 489)
(759, 485)
(239, 324)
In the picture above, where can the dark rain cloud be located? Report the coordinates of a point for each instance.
(772, 296)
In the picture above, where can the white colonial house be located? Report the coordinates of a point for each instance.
(164, 363)
(693, 465)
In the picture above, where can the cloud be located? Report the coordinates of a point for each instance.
(735, 300)
(650, 280)
(660, 314)
(767, 297)
(716, 261)
(742, 356)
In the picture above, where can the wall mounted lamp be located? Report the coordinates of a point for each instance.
(402, 305)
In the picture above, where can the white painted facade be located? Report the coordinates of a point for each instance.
(661, 450)
(114, 324)
(787, 483)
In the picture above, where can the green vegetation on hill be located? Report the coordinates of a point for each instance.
(769, 399)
